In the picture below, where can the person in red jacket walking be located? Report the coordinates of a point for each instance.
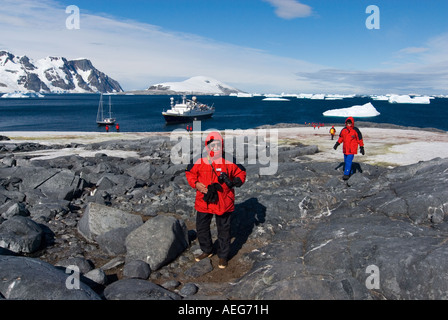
(351, 137)
(214, 179)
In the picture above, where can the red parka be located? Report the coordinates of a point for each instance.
(206, 170)
(351, 137)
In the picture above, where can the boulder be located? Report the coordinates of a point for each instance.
(83, 264)
(20, 234)
(138, 289)
(198, 269)
(55, 183)
(113, 242)
(99, 219)
(158, 241)
(137, 269)
(141, 171)
(10, 209)
(33, 279)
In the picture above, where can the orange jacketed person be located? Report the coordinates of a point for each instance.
(351, 137)
(214, 179)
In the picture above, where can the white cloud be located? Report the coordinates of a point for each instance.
(422, 69)
(380, 82)
(290, 9)
(137, 54)
(413, 50)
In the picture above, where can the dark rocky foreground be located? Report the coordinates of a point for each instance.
(112, 228)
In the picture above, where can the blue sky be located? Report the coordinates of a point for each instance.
(268, 46)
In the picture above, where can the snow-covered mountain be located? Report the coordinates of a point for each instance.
(52, 74)
(195, 85)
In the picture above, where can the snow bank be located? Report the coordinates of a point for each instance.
(367, 110)
(198, 84)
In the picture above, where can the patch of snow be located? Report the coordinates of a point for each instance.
(198, 84)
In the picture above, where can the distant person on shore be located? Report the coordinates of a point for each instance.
(107, 128)
(214, 179)
(351, 137)
(117, 127)
(332, 132)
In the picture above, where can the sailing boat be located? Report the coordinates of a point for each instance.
(100, 119)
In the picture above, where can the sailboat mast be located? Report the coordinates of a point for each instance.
(110, 108)
(99, 115)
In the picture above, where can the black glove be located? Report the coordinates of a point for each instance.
(224, 178)
(336, 145)
(212, 193)
(362, 150)
(237, 182)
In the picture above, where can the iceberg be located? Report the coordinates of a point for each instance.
(242, 95)
(380, 98)
(407, 99)
(304, 96)
(23, 95)
(339, 96)
(275, 99)
(364, 111)
(319, 96)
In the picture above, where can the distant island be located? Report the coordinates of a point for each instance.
(198, 85)
(20, 74)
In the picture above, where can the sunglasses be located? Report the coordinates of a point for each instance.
(215, 145)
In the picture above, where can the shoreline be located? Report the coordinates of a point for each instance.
(385, 145)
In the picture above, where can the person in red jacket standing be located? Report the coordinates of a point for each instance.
(351, 137)
(214, 179)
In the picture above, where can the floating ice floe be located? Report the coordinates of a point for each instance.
(23, 95)
(380, 98)
(243, 95)
(275, 99)
(408, 99)
(366, 110)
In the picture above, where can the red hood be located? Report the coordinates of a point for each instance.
(353, 121)
(211, 137)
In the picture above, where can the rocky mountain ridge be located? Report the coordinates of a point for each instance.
(52, 75)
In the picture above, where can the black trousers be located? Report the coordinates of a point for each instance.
(203, 221)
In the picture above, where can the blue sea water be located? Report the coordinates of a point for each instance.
(142, 113)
